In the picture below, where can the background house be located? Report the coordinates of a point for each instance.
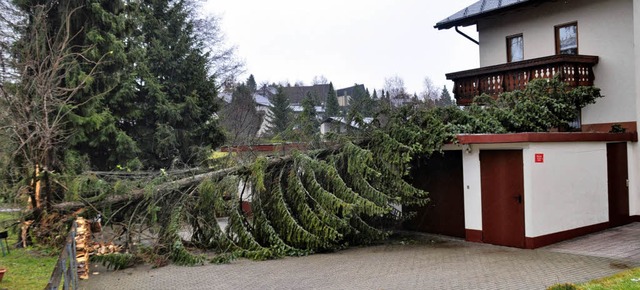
(532, 189)
(346, 94)
(318, 92)
(263, 106)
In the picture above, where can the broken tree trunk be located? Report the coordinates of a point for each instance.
(172, 185)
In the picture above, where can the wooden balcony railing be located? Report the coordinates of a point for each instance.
(575, 70)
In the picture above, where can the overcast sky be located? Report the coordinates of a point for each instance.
(347, 41)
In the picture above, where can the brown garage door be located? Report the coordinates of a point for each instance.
(441, 176)
(502, 190)
(617, 176)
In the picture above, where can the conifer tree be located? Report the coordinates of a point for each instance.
(361, 101)
(332, 106)
(445, 99)
(176, 90)
(99, 34)
(307, 120)
(153, 94)
(251, 83)
(279, 114)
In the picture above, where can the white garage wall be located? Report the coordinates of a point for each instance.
(472, 193)
(568, 190)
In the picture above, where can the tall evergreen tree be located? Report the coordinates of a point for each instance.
(251, 83)
(100, 32)
(332, 107)
(445, 99)
(307, 120)
(176, 91)
(152, 95)
(361, 101)
(375, 103)
(279, 114)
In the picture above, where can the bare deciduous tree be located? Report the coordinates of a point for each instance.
(240, 118)
(431, 91)
(394, 86)
(320, 80)
(40, 99)
(223, 60)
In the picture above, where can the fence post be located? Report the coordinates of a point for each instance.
(66, 267)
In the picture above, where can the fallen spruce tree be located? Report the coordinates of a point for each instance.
(348, 194)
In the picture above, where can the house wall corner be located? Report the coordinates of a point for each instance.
(634, 148)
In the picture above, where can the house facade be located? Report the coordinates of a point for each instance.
(345, 95)
(531, 189)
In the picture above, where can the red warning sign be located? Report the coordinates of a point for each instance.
(539, 158)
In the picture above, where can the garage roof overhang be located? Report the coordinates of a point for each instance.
(546, 137)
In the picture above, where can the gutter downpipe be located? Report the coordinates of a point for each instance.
(466, 36)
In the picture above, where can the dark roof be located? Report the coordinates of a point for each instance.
(296, 94)
(349, 91)
(480, 9)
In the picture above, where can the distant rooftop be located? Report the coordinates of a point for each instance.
(299, 109)
(350, 91)
(482, 8)
(262, 100)
(297, 93)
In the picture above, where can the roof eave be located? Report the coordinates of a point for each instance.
(461, 22)
(473, 19)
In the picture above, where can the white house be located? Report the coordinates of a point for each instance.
(263, 105)
(339, 125)
(531, 189)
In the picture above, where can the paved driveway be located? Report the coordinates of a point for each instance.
(618, 243)
(443, 264)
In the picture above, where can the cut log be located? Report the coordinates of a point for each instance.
(83, 250)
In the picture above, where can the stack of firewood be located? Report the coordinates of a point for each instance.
(83, 247)
(105, 248)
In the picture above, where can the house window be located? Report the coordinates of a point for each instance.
(576, 124)
(567, 38)
(515, 48)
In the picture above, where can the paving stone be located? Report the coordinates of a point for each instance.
(449, 264)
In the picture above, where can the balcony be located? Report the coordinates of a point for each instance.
(575, 70)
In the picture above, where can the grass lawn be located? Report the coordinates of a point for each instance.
(28, 268)
(629, 279)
